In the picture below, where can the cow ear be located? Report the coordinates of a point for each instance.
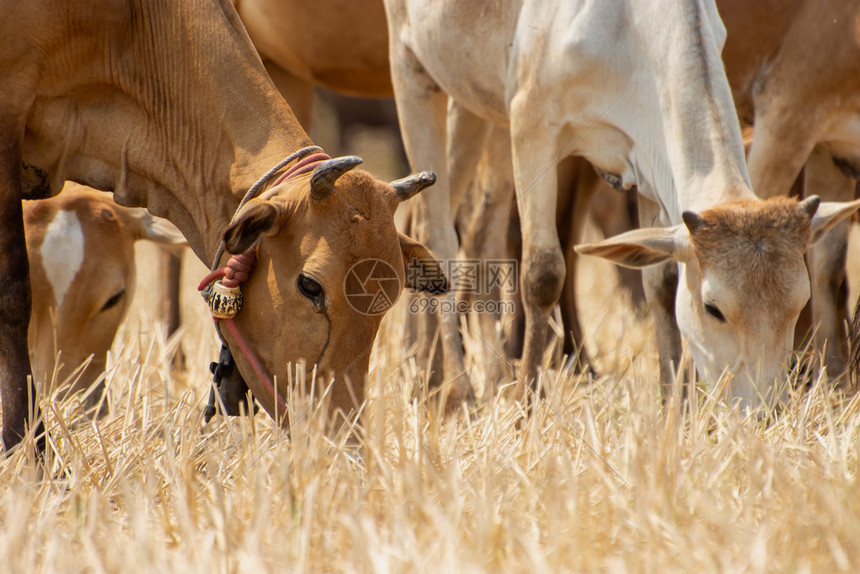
(423, 271)
(259, 219)
(828, 214)
(147, 226)
(643, 247)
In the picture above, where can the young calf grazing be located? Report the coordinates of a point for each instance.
(81, 250)
(742, 283)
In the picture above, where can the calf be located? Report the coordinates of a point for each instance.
(81, 250)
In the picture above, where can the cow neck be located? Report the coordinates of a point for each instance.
(701, 136)
(240, 266)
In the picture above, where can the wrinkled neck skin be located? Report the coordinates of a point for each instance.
(673, 132)
(166, 104)
(702, 135)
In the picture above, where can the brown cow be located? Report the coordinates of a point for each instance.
(168, 105)
(82, 269)
(349, 55)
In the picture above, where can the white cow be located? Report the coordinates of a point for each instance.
(639, 90)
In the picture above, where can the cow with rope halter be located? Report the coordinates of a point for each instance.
(168, 105)
(360, 211)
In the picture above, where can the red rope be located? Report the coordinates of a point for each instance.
(211, 278)
(305, 165)
(234, 273)
(281, 406)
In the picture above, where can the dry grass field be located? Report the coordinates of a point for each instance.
(599, 478)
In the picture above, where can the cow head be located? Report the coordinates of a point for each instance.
(742, 284)
(81, 250)
(330, 262)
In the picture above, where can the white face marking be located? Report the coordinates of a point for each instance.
(62, 252)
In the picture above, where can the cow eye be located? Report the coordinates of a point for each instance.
(309, 287)
(113, 301)
(714, 312)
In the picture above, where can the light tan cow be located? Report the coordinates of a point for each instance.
(793, 68)
(639, 90)
(82, 269)
(168, 105)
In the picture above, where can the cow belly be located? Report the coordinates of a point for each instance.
(842, 141)
(465, 50)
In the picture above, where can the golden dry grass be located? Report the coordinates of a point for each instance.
(599, 478)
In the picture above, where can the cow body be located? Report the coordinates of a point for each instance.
(82, 266)
(638, 90)
(168, 105)
(341, 45)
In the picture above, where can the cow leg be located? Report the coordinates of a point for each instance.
(577, 186)
(515, 332)
(467, 139)
(171, 268)
(661, 286)
(826, 260)
(17, 392)
(543, 269)
(614, 213)
(485, 239)
(782, 140)
(466, 143)
(422, 110)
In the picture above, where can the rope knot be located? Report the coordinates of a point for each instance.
(239, 268)
(224, 295)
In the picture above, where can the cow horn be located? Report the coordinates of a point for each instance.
(326, 173)
(692, 220)
(810, 205)
(410, 186)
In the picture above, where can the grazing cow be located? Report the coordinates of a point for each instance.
(168, 105)
(348, 55)
(81, 250)
(794, 69)
(639, 90)
(306, 45)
